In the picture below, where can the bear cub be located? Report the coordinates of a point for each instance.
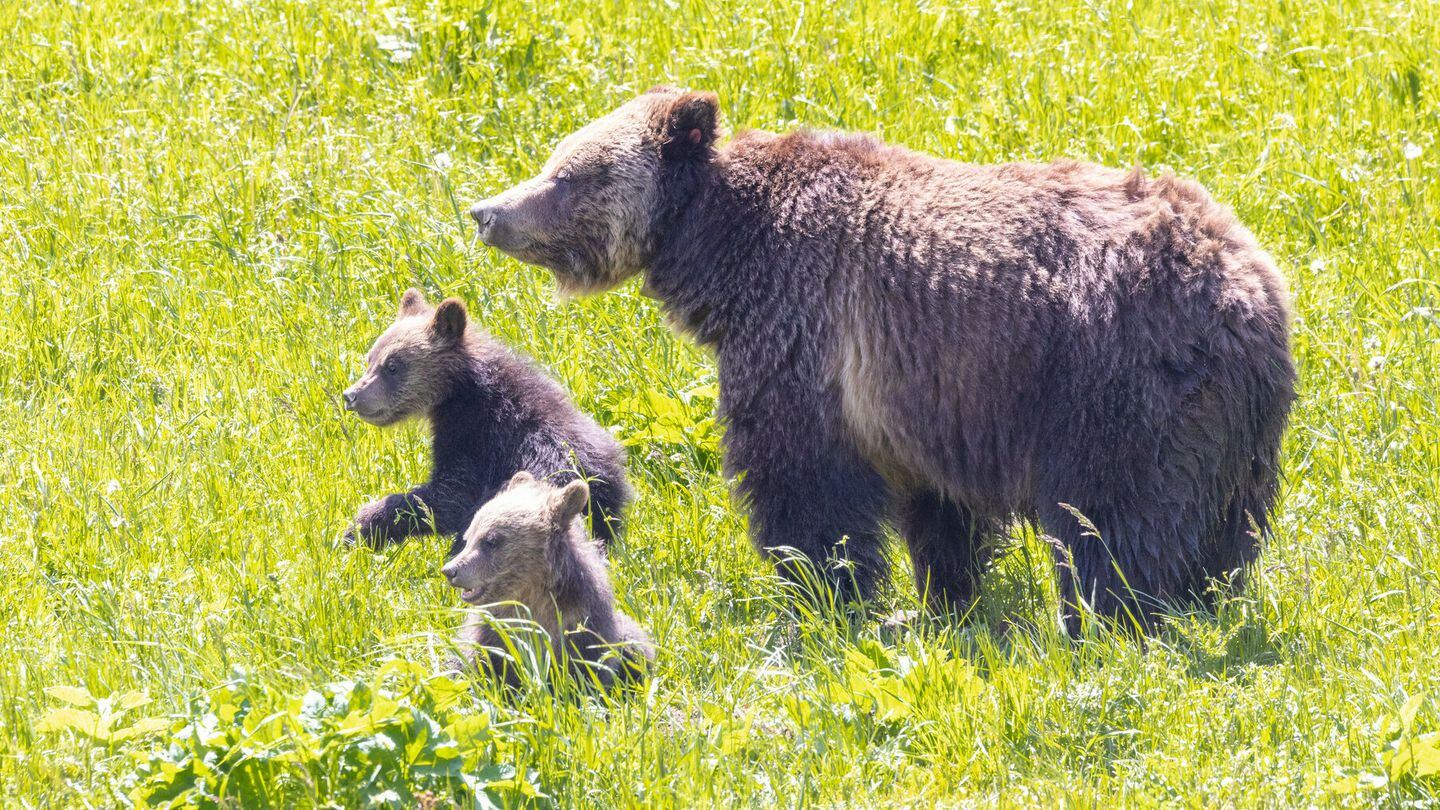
(527, 556)
(491, 413)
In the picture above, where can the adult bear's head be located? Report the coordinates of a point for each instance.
(593, 214)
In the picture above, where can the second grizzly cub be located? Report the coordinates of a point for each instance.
(527, 556)
(491, 413)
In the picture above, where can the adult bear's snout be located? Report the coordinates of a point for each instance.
(498, 226)
(485, 213)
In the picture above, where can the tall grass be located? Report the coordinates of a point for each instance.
(208, 211)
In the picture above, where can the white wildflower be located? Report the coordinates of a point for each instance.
(1412, 150)
(400, 50)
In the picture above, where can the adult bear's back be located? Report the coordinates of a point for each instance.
(984, 318)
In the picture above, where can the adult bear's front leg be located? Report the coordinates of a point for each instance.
(949, 548)
(809, 491)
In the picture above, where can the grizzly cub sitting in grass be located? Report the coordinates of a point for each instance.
(491, 413)
(527, 556)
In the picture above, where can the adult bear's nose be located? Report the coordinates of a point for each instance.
(450, 569)
(348, 395)
(484, 213)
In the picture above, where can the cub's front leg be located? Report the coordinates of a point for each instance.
(392, 519)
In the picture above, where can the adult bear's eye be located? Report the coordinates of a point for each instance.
(391, 366)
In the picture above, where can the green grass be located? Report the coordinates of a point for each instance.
(206, 216)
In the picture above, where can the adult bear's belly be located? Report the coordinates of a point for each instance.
(957, 415)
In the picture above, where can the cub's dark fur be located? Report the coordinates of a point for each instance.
(491, 414)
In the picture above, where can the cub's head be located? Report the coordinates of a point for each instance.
(590, 215)
(517, 547)
(414, 364)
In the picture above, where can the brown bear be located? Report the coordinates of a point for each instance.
(491, 413)
(527, 556)
(949, 345)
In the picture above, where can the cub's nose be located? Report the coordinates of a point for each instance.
(348, 395)
(450, 569)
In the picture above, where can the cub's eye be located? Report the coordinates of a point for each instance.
(390, 366)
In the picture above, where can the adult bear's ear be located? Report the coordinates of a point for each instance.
(522, 477)
(568, 502)
(691, 126)
(448, 325)
(412, 303)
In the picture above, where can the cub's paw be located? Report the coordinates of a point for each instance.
(373, 526)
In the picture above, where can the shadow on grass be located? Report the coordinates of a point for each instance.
(1224, 644)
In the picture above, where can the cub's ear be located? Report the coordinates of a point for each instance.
(449, 323)
(691, 125)
(412, 303)
(519, 478)
(568, 502)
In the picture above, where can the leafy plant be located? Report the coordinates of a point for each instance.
(401, 739)
(1407, 755)
(890, 688)
(102, 720)
(684, 422)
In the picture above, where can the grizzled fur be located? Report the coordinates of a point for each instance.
(527, 556)
(491, 413)
(949, 346)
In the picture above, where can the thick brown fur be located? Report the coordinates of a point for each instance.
(527, 556)
(491, 414)
(952, 346)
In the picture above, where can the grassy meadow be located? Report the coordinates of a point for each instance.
(208, 211)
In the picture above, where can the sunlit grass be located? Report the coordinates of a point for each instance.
(206, 215)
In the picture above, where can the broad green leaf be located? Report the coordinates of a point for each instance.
(77, 720)
(399, 667)
(1416, 757)
(416, 746)
(445, 693)
(469, 730)
(129, 700)
(74, 695)
(1407, 713)
(142, 727)
(710, 391)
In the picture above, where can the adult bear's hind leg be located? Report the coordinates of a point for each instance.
(1130, 572)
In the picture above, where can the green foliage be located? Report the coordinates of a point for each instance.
(400, 740)
(98, 719)
(684, 423)
(209, 210)
(1408, 757)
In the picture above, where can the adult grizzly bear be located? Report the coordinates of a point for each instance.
(950, 344)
